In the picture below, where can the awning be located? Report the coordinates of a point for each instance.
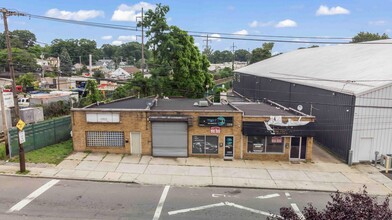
(259, 128)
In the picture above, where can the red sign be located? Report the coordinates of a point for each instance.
(276, 139)
(215, 130)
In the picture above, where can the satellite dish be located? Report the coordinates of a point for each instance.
(300, 107)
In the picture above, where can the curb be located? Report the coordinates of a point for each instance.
(148, 184)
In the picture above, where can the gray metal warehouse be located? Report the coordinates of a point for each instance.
(347, 87)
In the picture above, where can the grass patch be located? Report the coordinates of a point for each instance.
(2, 151)
(52, 154)
(23, 173)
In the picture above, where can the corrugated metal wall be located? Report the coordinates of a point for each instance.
(372, 120)
(334, 111)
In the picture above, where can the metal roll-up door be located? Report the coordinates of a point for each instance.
(169, 139)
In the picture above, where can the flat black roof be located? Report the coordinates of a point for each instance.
(130, 103)
(179, 104)
(188, 104)
(261, 109)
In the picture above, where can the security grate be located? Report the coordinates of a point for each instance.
(105, 139)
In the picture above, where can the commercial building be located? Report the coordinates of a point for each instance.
(347, 87)
(178, 127)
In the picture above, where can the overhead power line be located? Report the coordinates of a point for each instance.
(212, 35)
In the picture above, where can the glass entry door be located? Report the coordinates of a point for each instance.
(295, 148)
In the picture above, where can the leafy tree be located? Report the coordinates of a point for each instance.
(98, 74)
(2, 41)
(242, 55)
(65, 63)
(121, 92)
(345, 206)
(93, 94)
(22, 39)
(140, 85)
(262, 53)
(367, 36)
(109, 51)
(26, 80)
(177, 67)
(23, 60)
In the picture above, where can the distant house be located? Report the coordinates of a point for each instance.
(106, 63)
(124, 73)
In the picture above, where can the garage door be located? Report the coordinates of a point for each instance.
(169, 139)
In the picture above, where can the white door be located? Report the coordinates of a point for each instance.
(366, 152)
(136, 143)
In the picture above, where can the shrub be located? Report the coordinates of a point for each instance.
(352, 205)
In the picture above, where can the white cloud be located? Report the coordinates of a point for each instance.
(324, 10)
(129, 13)
(80, 15)
(215, 37)
(108, 37)
(117, 42)
(286, 23)
(388, 30)
(378, 23)
(127, 38)
(241, 32)
(255, 23)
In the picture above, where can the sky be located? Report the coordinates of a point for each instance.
(303, 18)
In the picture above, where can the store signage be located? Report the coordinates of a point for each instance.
(215, 121)
(215, 130)
(229, 147)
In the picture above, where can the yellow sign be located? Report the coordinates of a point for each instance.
(20, 124)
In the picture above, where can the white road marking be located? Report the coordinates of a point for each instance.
(288, 195)
(268, 196)
(160, 203)
(223, 204)
(218, 195)
(252, 210)
(297, 211)
(18, 206)
(196, 208)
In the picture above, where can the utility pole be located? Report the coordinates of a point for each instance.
(142, 44)
(58, 73)
(207, 41)
(80, 60)
(5, 12)
(233, 47)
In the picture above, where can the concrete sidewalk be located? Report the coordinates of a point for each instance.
(317, 176)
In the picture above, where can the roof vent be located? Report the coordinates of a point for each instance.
(196, 104)
(203, 103)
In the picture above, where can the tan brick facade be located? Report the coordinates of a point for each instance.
(138, 121)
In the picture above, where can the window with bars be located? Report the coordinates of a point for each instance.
(105, 139)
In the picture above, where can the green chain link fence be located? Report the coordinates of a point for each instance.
(41, 134)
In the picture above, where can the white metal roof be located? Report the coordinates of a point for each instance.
(348, 68)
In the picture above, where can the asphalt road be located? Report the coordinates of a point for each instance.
(37, 198)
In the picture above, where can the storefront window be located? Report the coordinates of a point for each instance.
(202, 144)
(256, 144)
(275, 144)
(265, 144)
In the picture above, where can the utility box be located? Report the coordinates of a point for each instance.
(32, 115)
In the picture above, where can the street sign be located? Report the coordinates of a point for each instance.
(20, 125)
(22, 137)
(8, 99)
(215, 130)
